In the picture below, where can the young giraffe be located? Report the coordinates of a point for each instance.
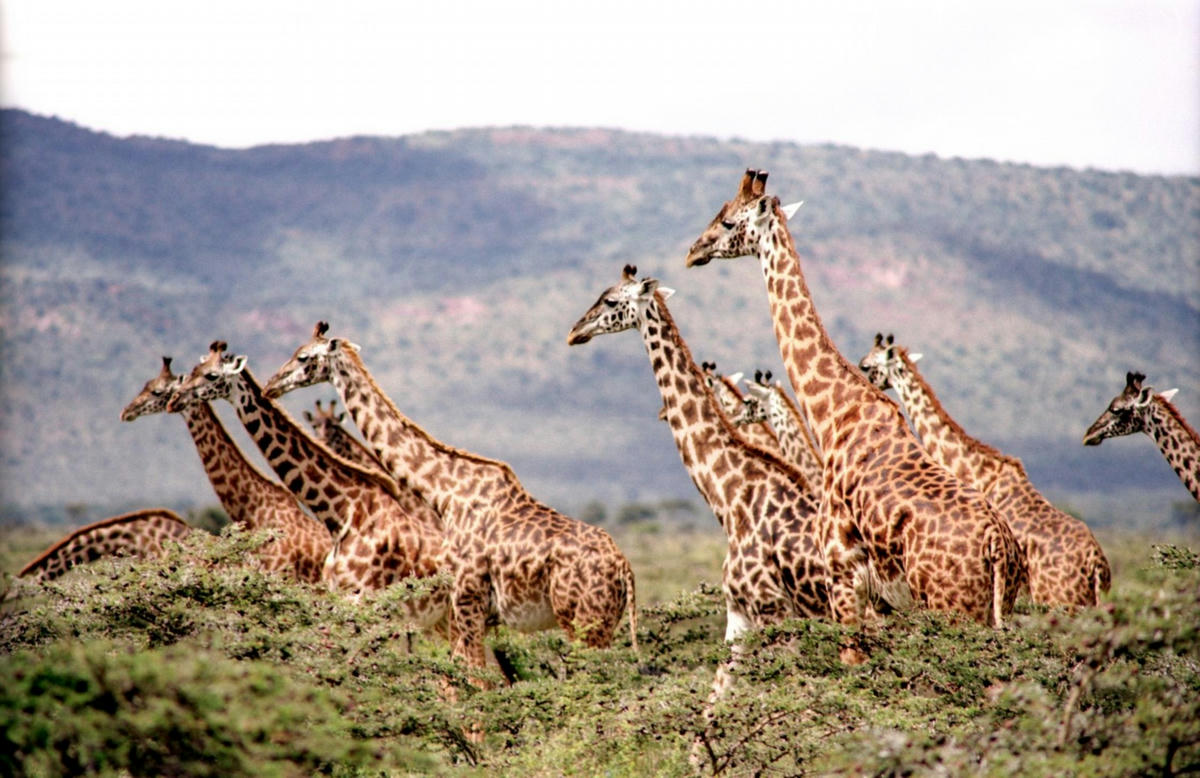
(884, 499)
(773, 567)
(1139, 409)
(386, 534)
(767, 402)
(327, 426)
(509, 555)
(299, 545)
(1066, 565)
(730, 402)
(143, 533)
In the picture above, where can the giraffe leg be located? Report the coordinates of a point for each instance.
(736, 625)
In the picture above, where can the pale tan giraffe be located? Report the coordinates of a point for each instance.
(142, 534)
(773, 567)
(386, 534)
(1066, 564)
(731, 402)
(884, 500)
(1140, 409)
(327, 426)
(512, 558)
(299, 545)
(770, 403)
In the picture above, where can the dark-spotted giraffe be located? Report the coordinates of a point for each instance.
(773, 566)
(385, 534)
(142, 533)
(767, 402)
(510, 556)
(1066, 564)
(884, 499)
(1139, 408)
(299, 545)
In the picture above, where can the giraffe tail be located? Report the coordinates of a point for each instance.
(1101, 574)
(631, 604)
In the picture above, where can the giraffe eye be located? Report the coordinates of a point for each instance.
(212, 376)
(610, 302)
(302, 358)
(727, 224)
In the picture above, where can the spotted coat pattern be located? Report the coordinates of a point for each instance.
(1066, 564)
(298, 545)
(884, 499)
(730, 402)
(385, 535)
(511, 558)
(143, 534)
(1141, 409)
(327, 427)
(767, 402)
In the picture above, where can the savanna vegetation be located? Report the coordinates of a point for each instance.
(196, 665)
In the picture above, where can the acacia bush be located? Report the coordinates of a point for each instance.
(196, 665)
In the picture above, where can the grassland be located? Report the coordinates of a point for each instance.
(195, 665)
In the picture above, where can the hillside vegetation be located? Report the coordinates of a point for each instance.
(458, 260)
(193, 666)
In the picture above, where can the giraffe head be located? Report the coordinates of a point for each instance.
(312, 363)
(884, 363)
(1127, 413)
(619, 308)
(154, 395)
(757, 403)
(209, 380)
(740, 223)
(323, 421)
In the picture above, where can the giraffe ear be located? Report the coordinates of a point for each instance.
(1144, 397)
(308, 416)
(1167, 395)
(916, 357)
(736, 377)
(236, 365)
(790, 209)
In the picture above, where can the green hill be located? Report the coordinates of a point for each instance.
(459, 260)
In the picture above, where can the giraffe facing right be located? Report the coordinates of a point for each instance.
(1066, 564)
(142, 533)
(1139, 408)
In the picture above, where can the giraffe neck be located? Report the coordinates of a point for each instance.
(438, 472)
(961, 454)
(793, 436)
(1177, 441)
(833, 392)
(239, 486)
(349, 447)
(327, 485)
(702, 433)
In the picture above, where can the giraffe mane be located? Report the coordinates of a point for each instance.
(1175, 414)
(972, 442)
(437, 444)
(727, 425)
(124, 518)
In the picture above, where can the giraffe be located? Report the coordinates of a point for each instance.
(730, 402)
(385, 534)
(884, 499)
(770, 403)
(1066, 565)
(299, 545)
(327, 426)
(510, 557)
(142, 533)
(773, 566)
(1139, 409)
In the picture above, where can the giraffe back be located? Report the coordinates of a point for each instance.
(141, 533)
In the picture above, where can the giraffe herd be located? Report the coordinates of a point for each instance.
(836, 505)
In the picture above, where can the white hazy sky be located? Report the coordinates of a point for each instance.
(1113, 85)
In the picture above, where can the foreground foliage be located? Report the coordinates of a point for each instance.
(198, 666)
